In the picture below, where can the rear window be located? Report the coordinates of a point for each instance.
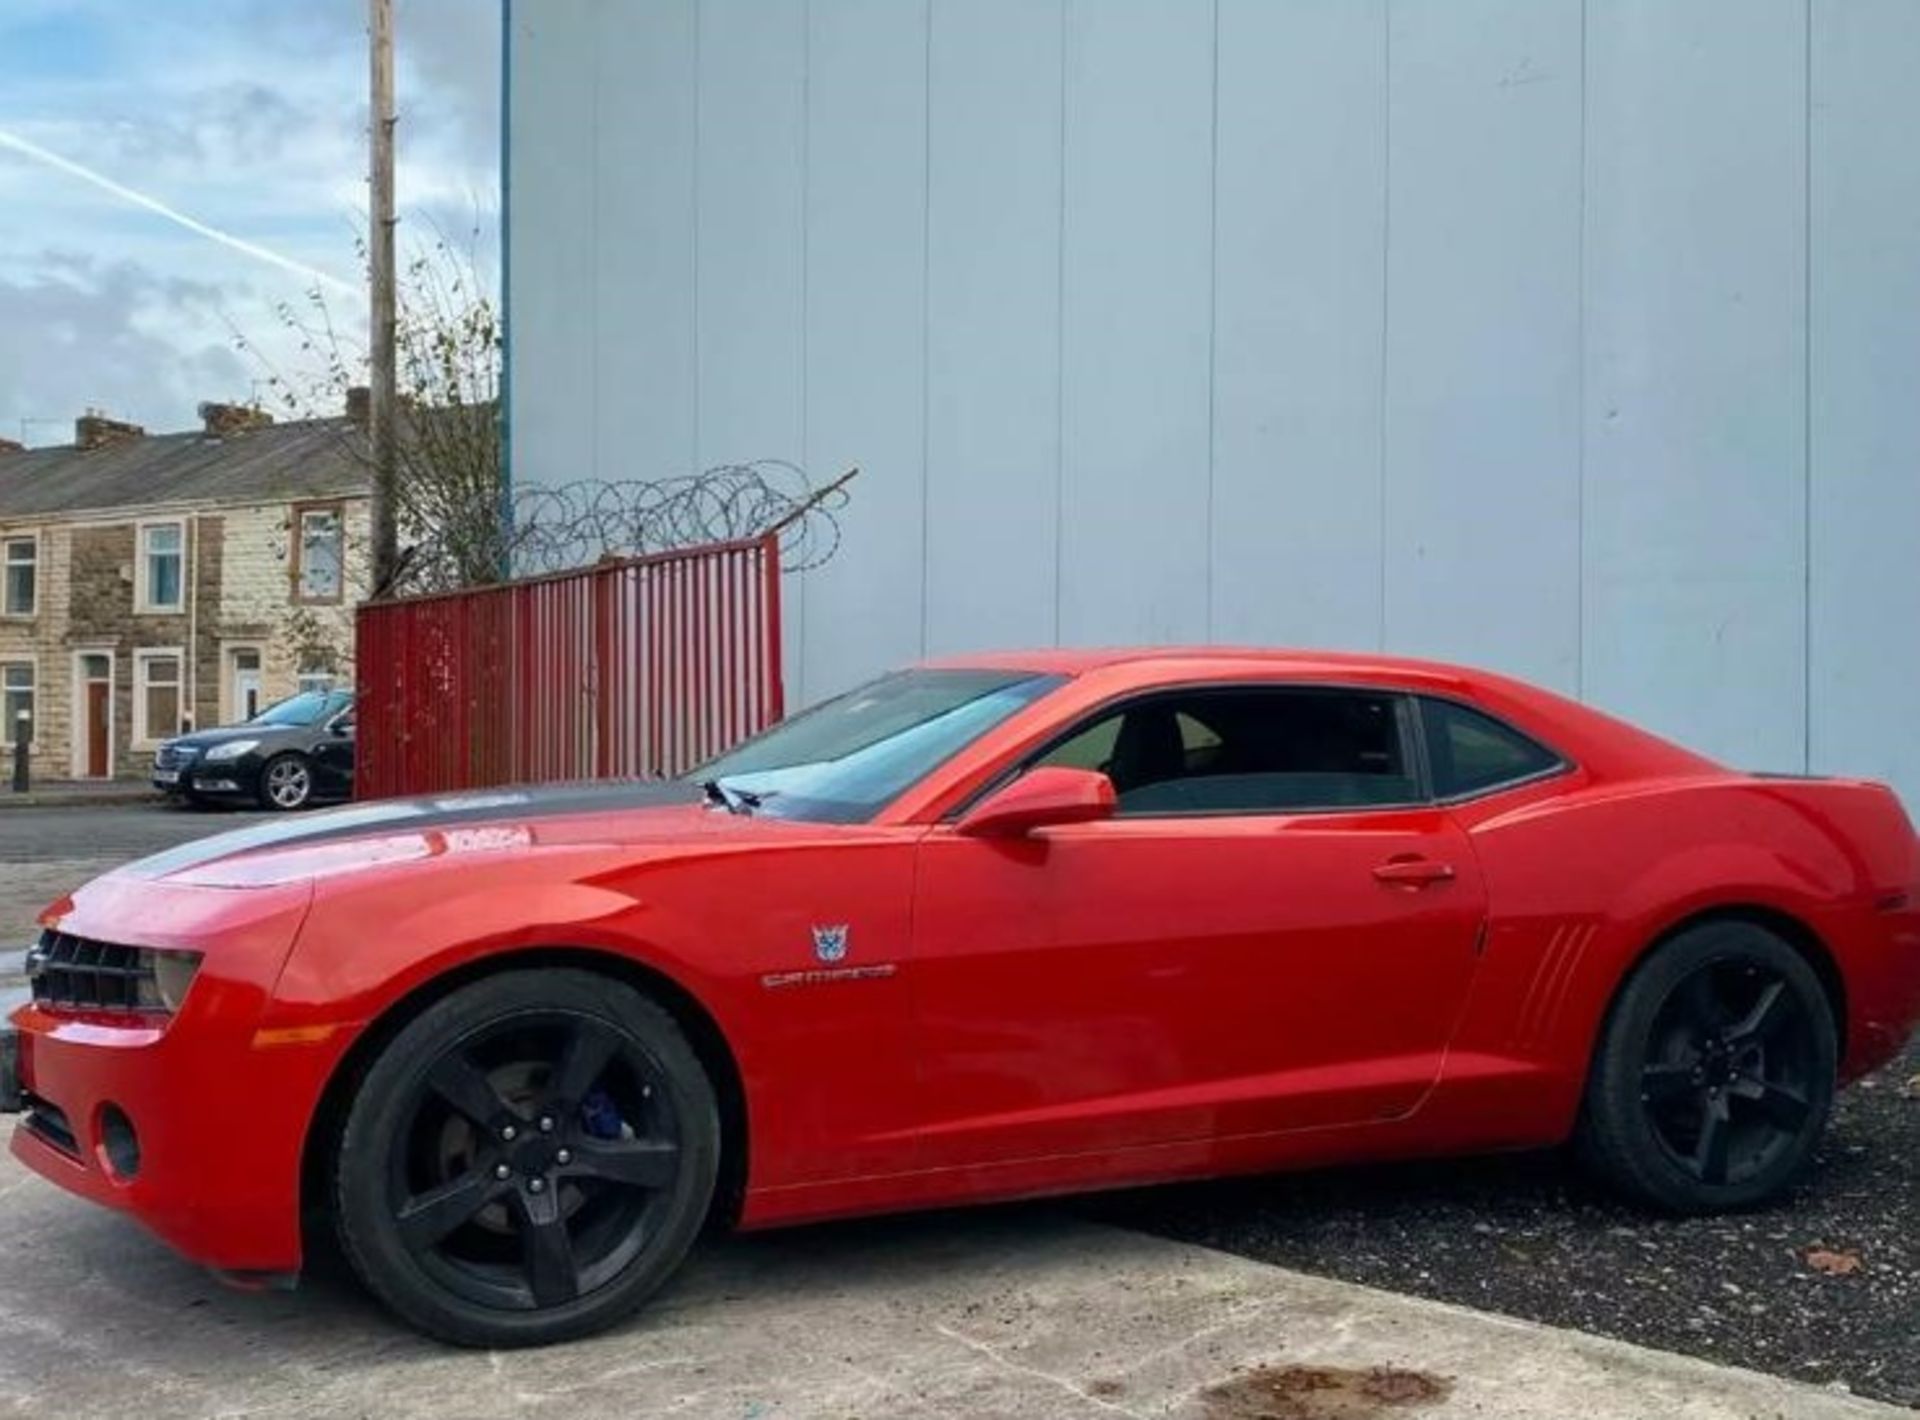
(1469, 752)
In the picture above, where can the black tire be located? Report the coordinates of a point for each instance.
(285, 783)
(600, 1201)
(1715, 1072)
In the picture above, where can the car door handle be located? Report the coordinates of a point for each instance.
(1413, 872)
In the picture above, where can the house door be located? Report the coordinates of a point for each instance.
(97, 675)
(246, 684)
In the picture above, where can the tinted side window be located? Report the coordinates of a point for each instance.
(1247, 751)
(1469, 752)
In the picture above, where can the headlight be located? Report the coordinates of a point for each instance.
(232, 749)
(82, 974)
(172, 974)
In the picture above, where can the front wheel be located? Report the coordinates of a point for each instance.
(1715, 1074)
(528, 1160)
(286, 782)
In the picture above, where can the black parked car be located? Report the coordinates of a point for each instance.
(291, 754)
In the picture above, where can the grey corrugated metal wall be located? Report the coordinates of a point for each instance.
(1577, 340)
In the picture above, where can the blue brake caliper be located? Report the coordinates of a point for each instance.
(600, 1116)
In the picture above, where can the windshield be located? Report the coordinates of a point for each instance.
(309, 707)
(843, 760)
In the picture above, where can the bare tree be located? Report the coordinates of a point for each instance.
(457, 526)
(449, 494)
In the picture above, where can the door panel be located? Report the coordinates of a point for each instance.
(1149, 980)
(332, 759)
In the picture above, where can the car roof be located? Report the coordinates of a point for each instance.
(1574, 730)
(1214, 660)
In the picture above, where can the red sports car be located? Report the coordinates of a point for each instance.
(987, 928)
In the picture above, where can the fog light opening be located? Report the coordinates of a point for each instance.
(119, 1144)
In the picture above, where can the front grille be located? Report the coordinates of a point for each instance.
(174, 756)
(81, 974)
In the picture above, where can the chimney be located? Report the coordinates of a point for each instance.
(9, 446)
(222, 421)
(94, 430)
(360, 404)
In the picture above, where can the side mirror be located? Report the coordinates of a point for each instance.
(1040, 799)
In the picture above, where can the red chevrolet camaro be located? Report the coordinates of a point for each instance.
(992, 927)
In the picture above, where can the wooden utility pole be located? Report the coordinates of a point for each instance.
(380, 411)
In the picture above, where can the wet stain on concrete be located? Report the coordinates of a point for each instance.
(1322, 1393)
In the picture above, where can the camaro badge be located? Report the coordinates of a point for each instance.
(830, 943)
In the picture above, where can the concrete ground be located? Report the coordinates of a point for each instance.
(1022, 1312)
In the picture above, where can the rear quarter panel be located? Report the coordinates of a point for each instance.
(1583, 879)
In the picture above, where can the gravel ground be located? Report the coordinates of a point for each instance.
(1527, 1235)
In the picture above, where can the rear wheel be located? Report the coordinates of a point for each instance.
(528, 1160)
(1715, 1074)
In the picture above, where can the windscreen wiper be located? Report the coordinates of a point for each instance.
(733, 799)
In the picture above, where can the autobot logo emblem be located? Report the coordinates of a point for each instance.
(830, 943)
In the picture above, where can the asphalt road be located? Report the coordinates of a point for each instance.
(45, 852)
(108, 832)
(1523, 1235)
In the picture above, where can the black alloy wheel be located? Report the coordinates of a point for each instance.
(528, 1160)
(1715, 1076)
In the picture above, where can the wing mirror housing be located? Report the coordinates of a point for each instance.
(1041, 798)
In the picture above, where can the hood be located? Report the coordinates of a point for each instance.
(365, 834)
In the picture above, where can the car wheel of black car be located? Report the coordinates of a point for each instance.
(286, 782)
(1715, 1072)
(528, 1160)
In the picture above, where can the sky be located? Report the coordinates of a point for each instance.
(246, 120)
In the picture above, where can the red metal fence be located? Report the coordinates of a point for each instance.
(636, 668)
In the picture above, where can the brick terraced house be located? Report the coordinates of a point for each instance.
(151, 584)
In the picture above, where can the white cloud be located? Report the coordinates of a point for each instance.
(247, 115)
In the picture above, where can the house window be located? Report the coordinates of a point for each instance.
(22, 568)
(16, 695)
(162, 567)
(157, 696)
(320, 559)
(316, 679)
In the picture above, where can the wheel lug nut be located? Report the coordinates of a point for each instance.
(546, 1124)
(536, 1185)
(563, 1157)
(509, 1133)
(502, 1171)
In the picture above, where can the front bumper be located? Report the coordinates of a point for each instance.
(200, 777)
(193, 1125)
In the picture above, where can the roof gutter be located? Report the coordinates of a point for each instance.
(120, 513)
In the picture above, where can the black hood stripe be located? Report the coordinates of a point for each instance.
(507, 805)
